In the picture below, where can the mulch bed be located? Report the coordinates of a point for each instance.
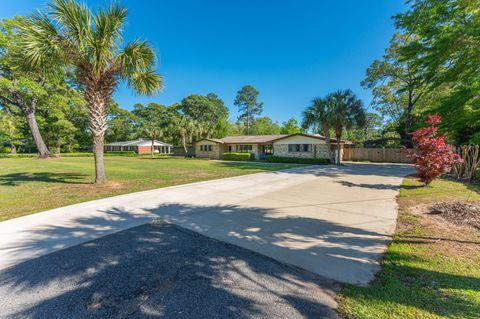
(459, 213)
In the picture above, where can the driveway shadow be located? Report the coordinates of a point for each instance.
(372, 186)
(162, 271)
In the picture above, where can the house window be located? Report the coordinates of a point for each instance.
(292, 148)
(206, 148)
(244, 148)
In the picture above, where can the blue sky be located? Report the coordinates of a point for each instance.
(291, 51)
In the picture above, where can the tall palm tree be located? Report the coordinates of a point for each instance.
(346, 111)
(318, 117)
(153, 132)
(186, 128)
(72, 35)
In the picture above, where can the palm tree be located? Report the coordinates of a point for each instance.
(317, 116)
(153, 133)
(185, 128)
(71, 35)
(346, 111)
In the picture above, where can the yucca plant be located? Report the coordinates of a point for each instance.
(91, 43)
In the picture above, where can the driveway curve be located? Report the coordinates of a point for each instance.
(332, 221)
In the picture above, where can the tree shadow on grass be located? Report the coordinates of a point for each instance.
(15, 179)
(473, 186)
(405, 279)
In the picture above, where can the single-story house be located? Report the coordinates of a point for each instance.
(286, 145)
(140, 146)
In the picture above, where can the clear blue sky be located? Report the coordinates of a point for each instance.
(291, 51)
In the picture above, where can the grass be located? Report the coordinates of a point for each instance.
(431, 268)
(29, 185)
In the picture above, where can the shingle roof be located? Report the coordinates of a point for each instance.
(251, 138)
(257, 139)
(137, 142)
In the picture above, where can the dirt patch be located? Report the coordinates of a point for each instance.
(458, 213)
(417, 223)
(113, 185)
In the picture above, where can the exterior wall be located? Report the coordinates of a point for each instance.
(214, 154)
(144, 149)
(318, 149)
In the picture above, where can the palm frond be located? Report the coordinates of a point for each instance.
(145, 83)
(74, 21)
(40, 41)
(137, 56)
(107, 34)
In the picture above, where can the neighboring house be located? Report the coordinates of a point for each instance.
(140, 146)
(287, 145)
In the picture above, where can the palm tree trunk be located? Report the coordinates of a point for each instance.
(97, 99)
(328, 141)
(42, 148)
(152, 149)
(100, 176)
(338, 136)
(184, 143)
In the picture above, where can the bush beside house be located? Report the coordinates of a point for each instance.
(237, 156)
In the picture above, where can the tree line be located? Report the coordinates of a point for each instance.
(431, 66)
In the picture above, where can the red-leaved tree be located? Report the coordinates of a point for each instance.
(431, 156)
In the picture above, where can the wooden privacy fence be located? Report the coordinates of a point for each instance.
(385, 155)
(180, 151)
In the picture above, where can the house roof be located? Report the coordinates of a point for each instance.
(259, 139)
(242, 139)
(138, 142)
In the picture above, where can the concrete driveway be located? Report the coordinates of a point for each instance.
(332, 221)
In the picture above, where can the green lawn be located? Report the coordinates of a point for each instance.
(29, 185)
(431, 269)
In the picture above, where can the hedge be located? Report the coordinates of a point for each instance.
(297, 160)
(90, 154)
(236, 156)
(3, 155)
(76, 154)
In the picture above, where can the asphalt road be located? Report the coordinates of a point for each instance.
(160, 270)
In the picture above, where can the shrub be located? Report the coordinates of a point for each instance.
(121, 153)
(470, 165)
(5, 149)
(90, 154)
(297, 160)
(236, 156)
(19, 155)
(431, 156)
(76, 154)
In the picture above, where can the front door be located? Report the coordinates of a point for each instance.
(265, 150)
